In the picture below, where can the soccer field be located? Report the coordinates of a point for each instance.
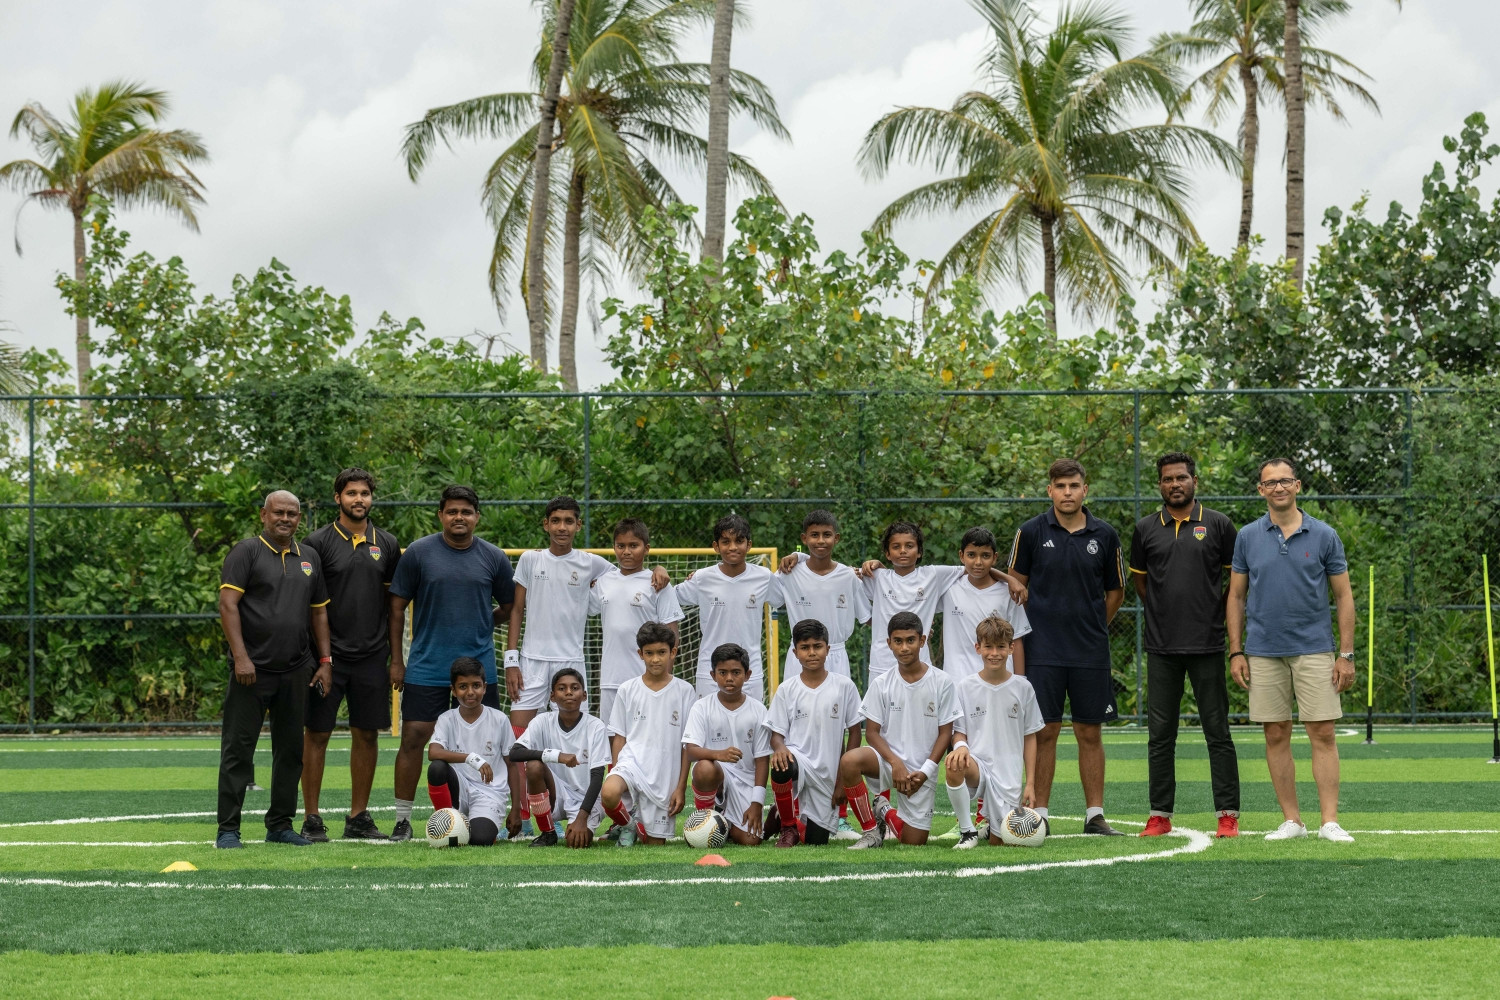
(1413, 907)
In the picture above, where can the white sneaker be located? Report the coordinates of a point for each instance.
(1335, 833)
(873, 837)
(1288, 830)
(967, 840)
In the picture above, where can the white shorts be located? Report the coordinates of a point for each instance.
(837, 663)
(1000, 796)
(536, 682)
(815, 794)
(645, 810)
(754, 688)
(477, 800)
(570, 801)
(736, 794)
(915, 809)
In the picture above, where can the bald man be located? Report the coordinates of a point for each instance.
(273, 606)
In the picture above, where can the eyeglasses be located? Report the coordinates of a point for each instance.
(1277, 484)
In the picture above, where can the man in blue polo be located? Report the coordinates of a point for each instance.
(1285, 563)
(1070, 561)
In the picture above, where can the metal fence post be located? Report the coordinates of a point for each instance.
(31, 564)
(1410, 572)
(860, 490)
(1140, 616)
(588, 463)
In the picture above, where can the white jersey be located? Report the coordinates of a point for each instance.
(909, 715)
(557, 601)
(964, 607)
(652, 723)
(997, 718)
(588, 741)
(490, 736)
(890, 593)
(731, 609)
(714, 727)
(624, 603)
(813, 721)
(837, 599)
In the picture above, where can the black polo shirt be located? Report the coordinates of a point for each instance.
(1069, 574)
(358, 570)
(278, 588)
(1183, 563)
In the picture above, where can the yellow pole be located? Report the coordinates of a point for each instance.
(1489, 633)
(1370, 665)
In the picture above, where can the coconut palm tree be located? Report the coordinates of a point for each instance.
(536, 242)
(1051, 158)
(715, 207)
(109, 146)
(627, 106)
(1245, 39)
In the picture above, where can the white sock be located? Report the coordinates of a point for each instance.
(1041, 811)
(403, 809)
(960, 798)
(1091, 812)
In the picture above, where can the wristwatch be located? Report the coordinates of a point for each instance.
(1347, 656)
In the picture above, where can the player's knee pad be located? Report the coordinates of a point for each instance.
(813, 834)
(438, 772)
(785, 775)
(483, 832)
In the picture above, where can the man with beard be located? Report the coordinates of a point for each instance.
(1178, 560)
(359, 562)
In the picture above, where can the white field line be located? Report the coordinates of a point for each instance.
(150, 816)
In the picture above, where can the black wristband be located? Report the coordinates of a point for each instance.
(1239, 652)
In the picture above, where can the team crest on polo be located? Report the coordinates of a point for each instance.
(835, 710)
(307, 569)
(842, 600)
(375, 552)
(1200, 532)
(1093, 546)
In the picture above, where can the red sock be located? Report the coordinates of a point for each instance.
(440, 796)
(894, 823)
(859, 801)
(619, 816)
(979, 810)
(704, 800)
(786, 800)
(541, 808)
(886, 795)
(844, 810)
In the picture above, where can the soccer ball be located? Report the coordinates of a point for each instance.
(706, 828)
(1023, 827)
(447, 828)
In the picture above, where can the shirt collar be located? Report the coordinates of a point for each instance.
(1271, 525)
(1089, 520)
(1162, 515)
(368, 537)
(293, 548)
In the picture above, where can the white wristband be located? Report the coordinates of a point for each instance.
(512, 659)
(475, 761)
(956, 745)
(550, 756)
(929, 768)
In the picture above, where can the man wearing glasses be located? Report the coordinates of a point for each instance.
(1284, 565)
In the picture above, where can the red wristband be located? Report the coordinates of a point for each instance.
(325, 659)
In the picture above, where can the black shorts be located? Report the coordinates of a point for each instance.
(365, 683)
(1090, 693)
(425, 702)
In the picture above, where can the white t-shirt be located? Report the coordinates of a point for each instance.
(490, 736)
(652, 723)
(625, 603)
(713, 727)
(731, 609)
(837, 599)
(588, 741)
(815, 720)
(964, 606)
(557, 601)
(909, 715)
(996, 720)
(890, 593)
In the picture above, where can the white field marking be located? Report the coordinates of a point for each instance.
(1380, 833)
(163, 843)
(150, 816)
(266, 751)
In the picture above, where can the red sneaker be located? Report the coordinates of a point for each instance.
(1229, 826)
(1156, 826)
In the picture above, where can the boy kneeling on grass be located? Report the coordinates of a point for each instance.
(645, 732)
(564, 753)
(730, 747)
(469, 746)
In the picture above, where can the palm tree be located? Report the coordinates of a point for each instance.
(1244, 38)
(715, 208)
(536, 244)
(627, 104)
(1053, 160)
(109, 147)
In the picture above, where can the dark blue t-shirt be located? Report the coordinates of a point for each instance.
(453, 592)
(1068, 574)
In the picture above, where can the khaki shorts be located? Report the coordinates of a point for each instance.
(1276, 680)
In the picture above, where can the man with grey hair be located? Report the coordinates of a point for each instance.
(273, 606)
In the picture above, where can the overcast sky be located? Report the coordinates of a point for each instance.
(302, 106)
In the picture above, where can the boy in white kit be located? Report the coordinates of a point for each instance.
(822, 590)
(626, 598)
(468, 752)
(731, 599)
(645, 730)
(565, 754)
(909, 716)
(971, 600)
(729, 747)
(994, 741)
(814, 719)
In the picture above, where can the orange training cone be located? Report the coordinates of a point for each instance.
(712, 860)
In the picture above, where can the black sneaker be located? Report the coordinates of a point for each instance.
(547, 839)
(287, 835)
(1099, 827)
(361, 827)
(314, 830)
(401, 831)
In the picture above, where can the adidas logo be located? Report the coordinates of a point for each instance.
(1048, 544)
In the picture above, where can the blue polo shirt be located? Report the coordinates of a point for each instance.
(1068, 575)
(1286, 607)
(453, 592)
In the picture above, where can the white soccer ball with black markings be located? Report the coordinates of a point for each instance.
(706, 828)
(447, 828)
(1023, 827)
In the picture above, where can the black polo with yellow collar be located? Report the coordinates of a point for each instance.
(1069, 572)
(279, 590)
(358, 568)
(1183, 562)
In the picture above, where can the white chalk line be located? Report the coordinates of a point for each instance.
(151, 816)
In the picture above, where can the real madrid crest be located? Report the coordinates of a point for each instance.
(1093, 546)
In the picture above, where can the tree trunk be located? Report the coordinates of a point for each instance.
(81, 319)
(1049, 271)
(1249, 145)
(541, 178)
(1296, 139)
(715, 209)
(567, 331)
